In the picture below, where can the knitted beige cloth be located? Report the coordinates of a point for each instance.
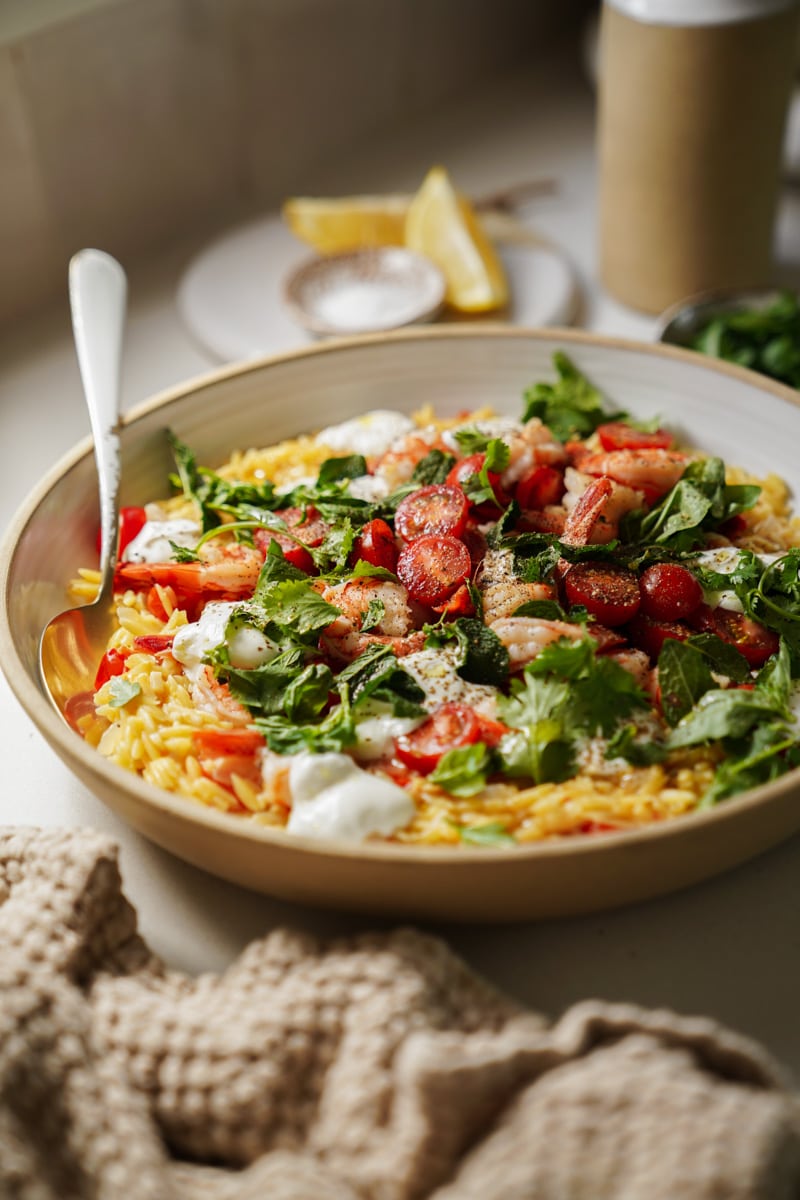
(377, 1067)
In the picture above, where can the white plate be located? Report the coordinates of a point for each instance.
(231, 296)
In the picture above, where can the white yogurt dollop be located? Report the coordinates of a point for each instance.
(152, 542)
(247, 646)
(370, 434)
(332, 797)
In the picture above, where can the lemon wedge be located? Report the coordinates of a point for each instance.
(347, 222)
(441, 224)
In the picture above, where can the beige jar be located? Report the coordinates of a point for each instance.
(692, 105)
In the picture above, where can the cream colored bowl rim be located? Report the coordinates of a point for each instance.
(72, 747)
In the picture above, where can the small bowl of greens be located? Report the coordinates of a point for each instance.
(759, 329)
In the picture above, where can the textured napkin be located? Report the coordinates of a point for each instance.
(374, 1067)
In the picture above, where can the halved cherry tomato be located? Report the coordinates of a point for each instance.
(153, 643)
(609, 592)
(649, 635)
(438, 508)
(433, 567)
(376, 545)
(669, 592)
(473, 465)
(228, 741)
(131, 521)
(112, 663)
(306, 526)
(616, 435)
(492, 732)
(544, 485)
(460, 604)
(451, 726)
(752, 639)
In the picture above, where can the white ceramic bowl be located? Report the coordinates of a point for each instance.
(743, 417)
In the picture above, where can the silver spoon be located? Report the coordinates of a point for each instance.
(74, 642)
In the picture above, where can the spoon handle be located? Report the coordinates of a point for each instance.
(97, 292)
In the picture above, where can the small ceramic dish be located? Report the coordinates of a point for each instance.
(680, 323)
(364, 291)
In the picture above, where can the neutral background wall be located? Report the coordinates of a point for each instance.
(132, 123)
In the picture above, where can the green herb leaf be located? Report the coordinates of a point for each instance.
(294, 606)
(121, 691)
(478, 487)
(722, 657)
(482, 659)
(624, 744)
(333, 470)
(376, 610)
(491, 833)
(683, 677)
(463, 771)
(433, 468)
(571, 407)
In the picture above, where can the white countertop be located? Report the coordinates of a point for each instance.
(725, 948)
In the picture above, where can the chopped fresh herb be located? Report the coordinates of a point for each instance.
(571, 407)
(491, 833)
(121, 691)
(478, 487)
(333, 470)
(764, 339)
(376, 610)
(377, 675)
(639, 753)
(482, 656)
(463, 771)
(433, 468)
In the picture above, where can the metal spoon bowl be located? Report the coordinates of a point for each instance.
(74, 642)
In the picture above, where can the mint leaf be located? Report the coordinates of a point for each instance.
(482, 656)
(721, 656)
(333, 470)
(295, 606)
(377, 674)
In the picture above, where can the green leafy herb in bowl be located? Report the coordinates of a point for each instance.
(759, 330)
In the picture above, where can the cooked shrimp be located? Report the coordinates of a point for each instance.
(532, 446)
(397, 464)
(653, 471)
(501, 590)
(595, 508)
(526, 637)
(344, 638)
(226, 572)
(213, 696)
(636, 663)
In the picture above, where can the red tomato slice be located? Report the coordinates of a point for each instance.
(451, 726)
(669, 592)
(433, 567)
(437, 508)
(376, 545)
(306, 526)
(460, 604)
(544, 485)
(131, 522)
(753, 640)
(153, 643)
(610, 593)
(112, 663)
(616, 435)
(492, 732)
(649, 635)
(472, 465)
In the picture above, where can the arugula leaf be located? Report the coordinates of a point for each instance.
(121, 691)
(463, 771)
(351, 466)
(700, 501)
(624, 744)
(683, 677)
(482, 656)
(182, 554)
(491, 833)
(433, 468)
(571, 407)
